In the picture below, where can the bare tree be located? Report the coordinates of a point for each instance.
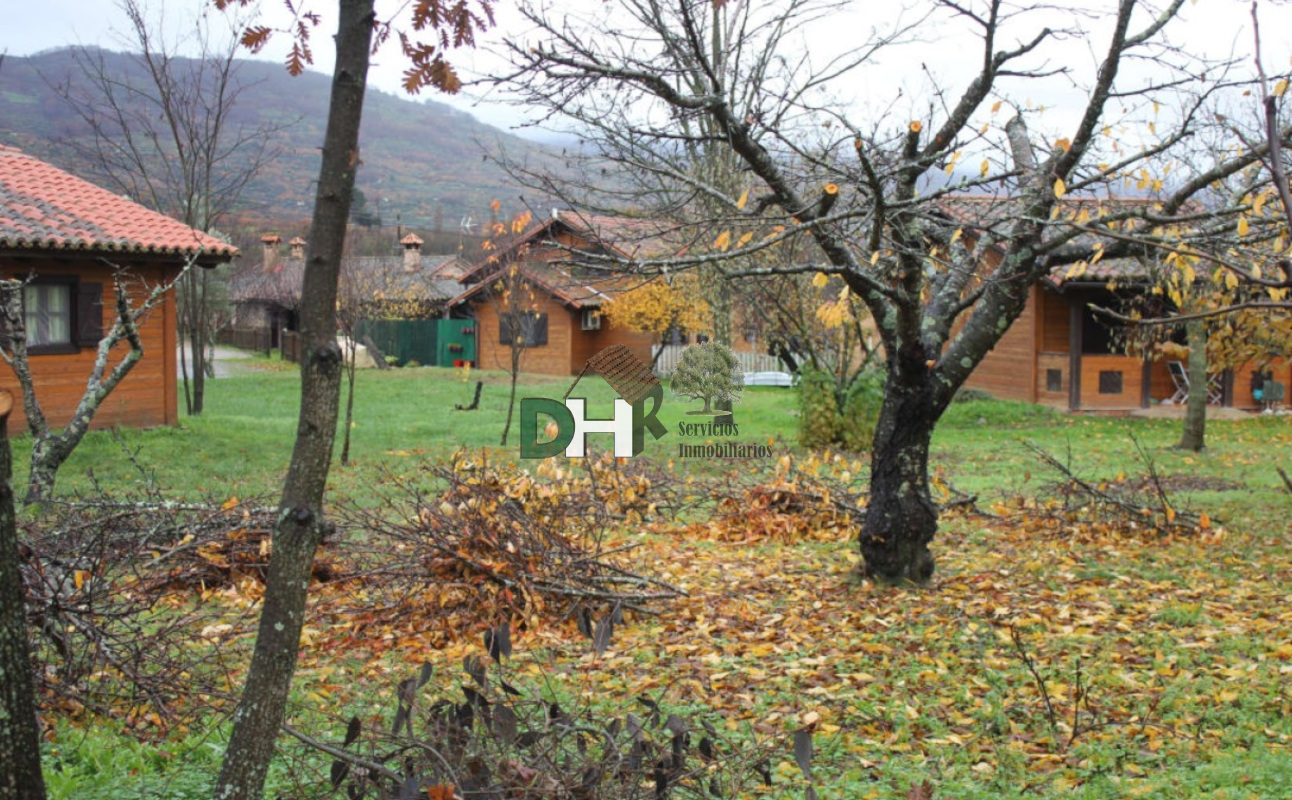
(301, 521)
(520, 325)
(51, 448)
(162, 130)
(374, 288)
(941, 298)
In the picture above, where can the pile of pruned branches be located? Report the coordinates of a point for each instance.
(490, 541)
(111, 633)
(1083, 507)
(498, 738)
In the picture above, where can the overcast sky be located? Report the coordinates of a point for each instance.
(1213, 27)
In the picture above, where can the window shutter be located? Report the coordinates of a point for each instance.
(89, 314)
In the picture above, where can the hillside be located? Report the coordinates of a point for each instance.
(421, 159)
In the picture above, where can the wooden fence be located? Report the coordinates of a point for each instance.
(260, 339)
(749, 362)
(291, 344)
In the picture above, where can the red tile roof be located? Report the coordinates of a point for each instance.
(44, 208)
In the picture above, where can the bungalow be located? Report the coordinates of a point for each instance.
(565, 321)
(399, 302)
(266, 295)
(1061, 353)
(67, 238)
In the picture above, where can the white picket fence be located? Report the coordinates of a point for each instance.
(749, 362)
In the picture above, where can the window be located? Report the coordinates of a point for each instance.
(1110, 381)
(1054, 380)
(530, 328)
(48, 311)
(62, 314)
(591, 319)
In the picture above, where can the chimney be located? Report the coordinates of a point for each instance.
(412, 252)
(270, 241)
(298, 249)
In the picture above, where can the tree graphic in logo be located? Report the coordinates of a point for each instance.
(708, 372)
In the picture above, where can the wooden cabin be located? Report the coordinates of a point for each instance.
(563, 313)
(72, 240)
(1060, 353)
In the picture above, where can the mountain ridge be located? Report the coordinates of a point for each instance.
(423, 163)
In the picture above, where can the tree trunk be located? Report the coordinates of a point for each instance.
(720, 304)
(301, 525)
(21, 778)
(183, 374)
(1194, 435)
(197, 346)
(350, 370)
(195, 291)
(47, 456)
(511, 404)
(901, 517)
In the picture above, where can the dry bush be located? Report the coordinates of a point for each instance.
(502, 736)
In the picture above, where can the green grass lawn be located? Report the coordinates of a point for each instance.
(1184, 643)
(241, 446)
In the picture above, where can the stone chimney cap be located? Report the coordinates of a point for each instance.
(297, 241)
(412, 240)
(271, 238)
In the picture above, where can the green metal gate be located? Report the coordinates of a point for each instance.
(428, 342)
(456, 342)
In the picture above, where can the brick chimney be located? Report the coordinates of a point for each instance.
(412, 252)
(297, 252)
(270, 241)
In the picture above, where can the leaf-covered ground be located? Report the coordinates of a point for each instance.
(1165, 659)
(1165, 662)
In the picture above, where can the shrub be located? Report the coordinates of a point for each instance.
(819, 421)
(861, 411)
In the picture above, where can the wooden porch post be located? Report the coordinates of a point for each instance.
(1074, 355)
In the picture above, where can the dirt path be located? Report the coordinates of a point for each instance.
(229, 362)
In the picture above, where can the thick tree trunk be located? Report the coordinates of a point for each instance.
(20, 777)
(47, 456)
(301, 525)
(901, 517)
(1194, 435)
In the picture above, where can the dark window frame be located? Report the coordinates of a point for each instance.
(533, 327)
(1111, 381)
(85, 315)
(1054, 380)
